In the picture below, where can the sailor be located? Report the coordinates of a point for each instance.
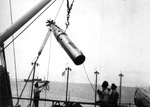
(37, 90)
(114, 95)
(104, 95)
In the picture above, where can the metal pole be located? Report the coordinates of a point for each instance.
(34, 66)
(68, 69)
(23, 20)
(121, 75)
(96, 73)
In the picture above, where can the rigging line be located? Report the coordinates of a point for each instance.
(33, 76)
(40, 51)
(49, 32)
(27, 81)
(14, 49)
(51, 39)
(24, 87)
(46, 38)
(50, 46)
(48, 67)
(44, 42)
(49, 57)
(59, 10)
(101, 34)
(88, 77)
(28, 25)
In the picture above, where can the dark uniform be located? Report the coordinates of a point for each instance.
(114, 96)
(36, 96)
(37, 93)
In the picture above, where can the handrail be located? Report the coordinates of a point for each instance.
(80, 102)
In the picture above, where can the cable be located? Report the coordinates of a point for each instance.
(49, 58)
(47, 87)
(59, 10)
(88, 77)
(83, 64)
(24, 88)
(44, 42)
(48, 62)
(14, 50)
(50, 49)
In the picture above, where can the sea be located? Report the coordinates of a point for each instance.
(80, 92)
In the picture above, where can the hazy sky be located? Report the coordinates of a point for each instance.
(113, 35)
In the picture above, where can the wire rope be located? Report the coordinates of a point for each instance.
(50, 48)
(102, 32)
(14, 53)
(39, 53)
(59, 10)
(49, 58)
(24, 88)
(88, 77)
(83, 63)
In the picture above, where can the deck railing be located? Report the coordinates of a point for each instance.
(62, 103)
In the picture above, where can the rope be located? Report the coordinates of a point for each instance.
(50, 51)
(14, 50)
(59, 10)
(102, 33)
(44, 42)
(46, 87)
(88, 77)
(24, 88)
(39, 53)
(83, 63)
(49, 58)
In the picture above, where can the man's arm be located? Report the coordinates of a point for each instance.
(42, 85)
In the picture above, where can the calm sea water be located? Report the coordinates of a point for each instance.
(57, 91)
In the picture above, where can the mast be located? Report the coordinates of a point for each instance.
(67, 69)
(96, 73)
(120, 75)
(23, 20)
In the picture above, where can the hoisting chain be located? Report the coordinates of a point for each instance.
(69, 7)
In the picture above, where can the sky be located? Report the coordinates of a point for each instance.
(113, 35)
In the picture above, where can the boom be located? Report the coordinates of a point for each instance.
(23, 20)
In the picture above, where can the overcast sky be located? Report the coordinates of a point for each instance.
(113, 35)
